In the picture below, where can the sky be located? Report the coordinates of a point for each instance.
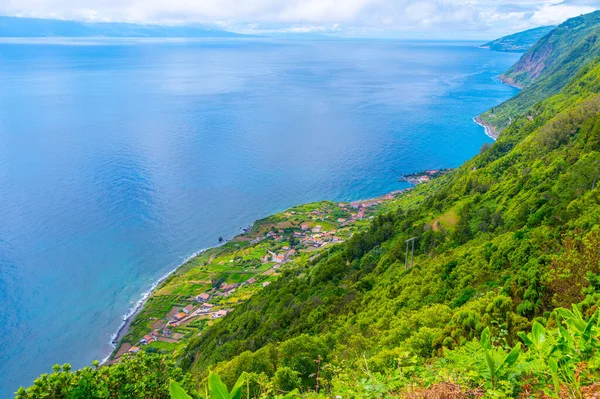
(452, 19)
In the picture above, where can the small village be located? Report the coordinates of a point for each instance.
(423, 177)
(212, 284)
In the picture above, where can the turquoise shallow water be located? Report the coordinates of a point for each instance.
(118, 159)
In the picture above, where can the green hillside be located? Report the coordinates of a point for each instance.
(548, 66)
(519, 42)
(525, 242)
(501, 301)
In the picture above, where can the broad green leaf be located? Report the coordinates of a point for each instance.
(562, 330)
(491, 366)
(575, 319)
(550, 393)
(554, 370)
(576, 312)
(565, 313)
(290, 395)
(587, 332)
(553, 365)
(580, 325)
(512, 356)
(236, 391)
(217, 389)
(538, 335)
(486, 338)
(525, 339)
(177, 392)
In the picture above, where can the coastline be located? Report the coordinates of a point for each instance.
(490, 131)
(510, 82)
(131, 314)
(139, 305)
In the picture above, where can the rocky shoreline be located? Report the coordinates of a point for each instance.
(490, 130)
(510, 82)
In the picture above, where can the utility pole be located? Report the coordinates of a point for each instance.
(412, 240)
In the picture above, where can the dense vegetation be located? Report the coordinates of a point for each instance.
(548, 66)
(502, 300)
(141, 376)
(519, 42)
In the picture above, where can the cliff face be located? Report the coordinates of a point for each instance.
(549, 55)
(529, 67)
(548, 66)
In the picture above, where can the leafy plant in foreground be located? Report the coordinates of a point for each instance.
(570, 354)
(497, 370)
(218, 390)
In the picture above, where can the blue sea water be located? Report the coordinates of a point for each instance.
(120, 158)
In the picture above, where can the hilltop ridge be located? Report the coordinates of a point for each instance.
(520, 41)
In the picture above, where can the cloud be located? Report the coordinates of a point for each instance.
(388, 17)
(554, 14)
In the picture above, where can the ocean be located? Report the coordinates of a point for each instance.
(120, 158)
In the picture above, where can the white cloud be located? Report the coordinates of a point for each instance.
(553, 14)
(386, 17)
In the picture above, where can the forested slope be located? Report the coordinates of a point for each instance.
(548, 66)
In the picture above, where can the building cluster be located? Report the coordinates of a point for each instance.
(362, 205)
(277, 236)
(422, 177)
(219, 313)
(205, 308)
(280, 258)
(155, 335)
(184, 314)
(227, 289)
(320, 239)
